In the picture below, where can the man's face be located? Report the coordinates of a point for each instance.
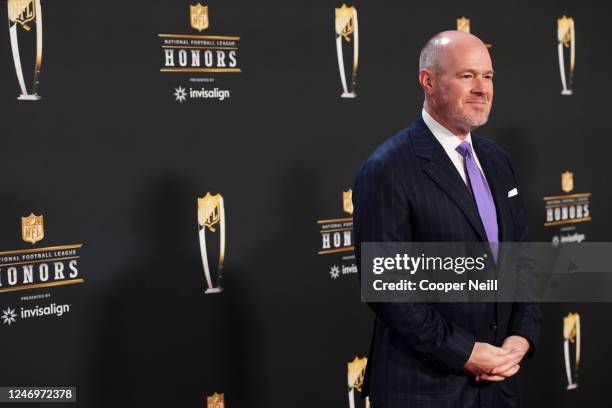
(464, 86)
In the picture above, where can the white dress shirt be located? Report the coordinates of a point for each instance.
(449, 142)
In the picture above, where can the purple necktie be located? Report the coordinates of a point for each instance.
(484, 200)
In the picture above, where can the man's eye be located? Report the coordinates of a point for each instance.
(467, 76)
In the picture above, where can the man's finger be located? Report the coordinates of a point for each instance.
(488, 377)
(495, 377)
(506, 364)
(511, 371)
(498, 360)
(501, 351)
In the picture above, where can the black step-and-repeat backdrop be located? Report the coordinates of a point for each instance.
(175, 227)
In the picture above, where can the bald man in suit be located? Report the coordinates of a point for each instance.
(435, 181)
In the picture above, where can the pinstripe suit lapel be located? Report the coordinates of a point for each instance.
(441, 170)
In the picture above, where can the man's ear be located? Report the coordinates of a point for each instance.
(426, 80)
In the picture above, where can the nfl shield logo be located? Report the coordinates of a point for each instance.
(463, 25)
(215, 401)
(347, 201)
(209, 210)
(32, 229)
(567, 181)
(356, 372)
(345, 21)
(21, 11)
(199, 17)
(565, 26)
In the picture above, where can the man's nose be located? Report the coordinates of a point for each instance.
(480, 86)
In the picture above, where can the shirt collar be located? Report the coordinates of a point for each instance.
(447, 139)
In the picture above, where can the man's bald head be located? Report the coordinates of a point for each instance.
(435, 54)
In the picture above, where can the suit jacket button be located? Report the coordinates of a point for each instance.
(493, 327)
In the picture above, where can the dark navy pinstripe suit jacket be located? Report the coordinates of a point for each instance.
(410, 191)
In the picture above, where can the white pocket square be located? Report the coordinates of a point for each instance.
(512, 192)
